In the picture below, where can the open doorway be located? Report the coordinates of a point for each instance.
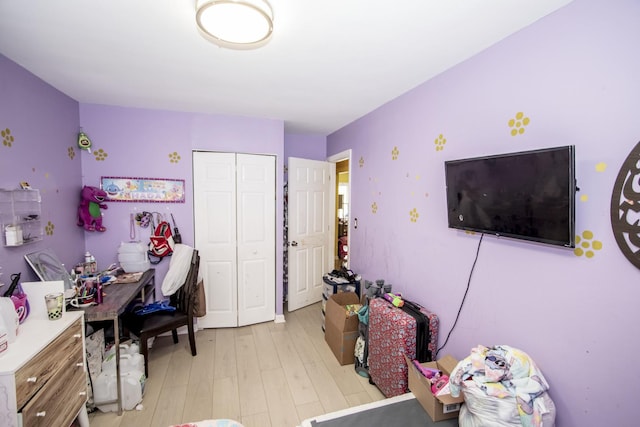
(342, 214)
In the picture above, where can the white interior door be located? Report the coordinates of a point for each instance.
(255, 184)
(311, 229)
(234, 223)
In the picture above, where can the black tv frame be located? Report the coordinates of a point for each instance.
(492, 226)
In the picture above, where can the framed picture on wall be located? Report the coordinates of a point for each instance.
(129, 189)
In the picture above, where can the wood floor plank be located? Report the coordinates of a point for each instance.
(257, 420)
(295, 373)
(268, 355)
(225, 353)
(359, 398)
(282, 410)
(100, 419)
(198, 402)
(309, 410)
(203, 364)
(327, 388)
(180, 365)
(170, 407)
(287, 368)
(250, 387)
(304, 346)
(226, 398)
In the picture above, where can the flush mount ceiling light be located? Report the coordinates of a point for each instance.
(235, 24)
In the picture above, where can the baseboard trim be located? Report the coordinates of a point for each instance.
(279, 318)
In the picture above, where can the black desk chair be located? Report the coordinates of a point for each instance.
(159, 322)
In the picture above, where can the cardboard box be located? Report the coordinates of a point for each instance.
(438, 407)
(341, 331)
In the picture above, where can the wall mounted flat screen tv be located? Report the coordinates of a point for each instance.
(527, 195)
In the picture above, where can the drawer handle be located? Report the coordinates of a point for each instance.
(77, 335)
(82, 393)
(41, 414)
(79, 364)
(32, 379)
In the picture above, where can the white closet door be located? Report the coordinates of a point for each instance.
(256, 238)
(214, 203)
(234, 223)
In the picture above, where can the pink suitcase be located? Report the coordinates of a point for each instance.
(392, 334)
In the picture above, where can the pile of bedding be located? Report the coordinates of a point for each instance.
(502, 386)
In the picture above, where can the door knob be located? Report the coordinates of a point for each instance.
(294, 243)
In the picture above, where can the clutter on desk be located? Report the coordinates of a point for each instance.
(10, 319)
(19, 298)
(133, 257)
(54, 303)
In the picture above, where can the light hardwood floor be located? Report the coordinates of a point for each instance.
(264, 375)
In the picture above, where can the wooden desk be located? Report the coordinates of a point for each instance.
(117, 298)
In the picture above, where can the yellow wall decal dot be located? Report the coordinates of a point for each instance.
(584, 198)
(7, 138)
(601, 167)
(394, 153)
(585, 245)
(100, 155)
(174, 157)
(440, 142)
(518, 123)
(49, 228)
(413, 215)
(361, 161)
(374, 207)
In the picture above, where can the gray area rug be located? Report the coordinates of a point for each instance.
(407, 413)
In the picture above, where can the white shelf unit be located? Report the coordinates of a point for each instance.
(20, 216)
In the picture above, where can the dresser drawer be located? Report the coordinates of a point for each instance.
(59, 355)
(59, 400)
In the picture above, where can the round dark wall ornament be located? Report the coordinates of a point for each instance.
(625, 207)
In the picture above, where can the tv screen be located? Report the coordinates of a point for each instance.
(527, 195)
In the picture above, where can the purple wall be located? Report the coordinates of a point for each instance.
(574, 74)
(312, 147)
(38, 144)
(143, 143)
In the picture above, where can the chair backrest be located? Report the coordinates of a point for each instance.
(184, 297)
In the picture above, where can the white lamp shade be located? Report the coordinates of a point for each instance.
(236, 24)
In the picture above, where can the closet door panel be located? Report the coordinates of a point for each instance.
(256, 238)
(215, 216)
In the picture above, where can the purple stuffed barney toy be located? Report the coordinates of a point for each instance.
(89, 210)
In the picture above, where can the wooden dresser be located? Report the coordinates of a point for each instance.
(43, 376)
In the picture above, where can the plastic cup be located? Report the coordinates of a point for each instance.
(55, 304)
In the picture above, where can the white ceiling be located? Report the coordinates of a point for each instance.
(328, 63)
